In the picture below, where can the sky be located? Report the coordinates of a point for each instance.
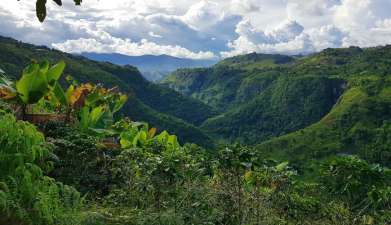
(200, 29)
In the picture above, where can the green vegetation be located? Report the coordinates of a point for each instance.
(93, 166)
(152, 179)
(360, 124)
(27, 196)
(163, 108)
(264, 96)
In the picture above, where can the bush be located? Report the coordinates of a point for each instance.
(27, 196)
(81, 161)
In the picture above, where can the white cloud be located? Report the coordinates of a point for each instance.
(288, 38)
(364, 20)
(201, 28)
(152, 34)
(104, 43)
(327, 36)
(246, 6)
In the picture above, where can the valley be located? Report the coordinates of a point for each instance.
(254, 139)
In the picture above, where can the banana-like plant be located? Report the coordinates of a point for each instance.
(73, 98)
(94, 105)
(99, 108)
(36, 82)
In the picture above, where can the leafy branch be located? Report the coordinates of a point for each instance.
(40, 7)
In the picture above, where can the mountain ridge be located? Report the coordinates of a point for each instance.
(261, 100)
(153, 67)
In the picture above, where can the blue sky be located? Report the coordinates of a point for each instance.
(200, 29)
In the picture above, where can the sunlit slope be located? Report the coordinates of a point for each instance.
(265, 96)
(360, 123)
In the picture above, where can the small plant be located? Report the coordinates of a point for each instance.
(36, 82)
(94, 105)
(136, 134)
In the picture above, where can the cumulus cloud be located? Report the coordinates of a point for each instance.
(327, 36)
(109, 44)
(201, 28)
(288, 38)
(318, 24)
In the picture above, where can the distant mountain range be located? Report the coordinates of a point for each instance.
(152, 67)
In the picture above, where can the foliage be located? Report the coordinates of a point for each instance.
(265, 96)
(149, 178)
(288, 104)
(97, 105)
(363, 185)
(161, 107)
(36, 82)
(135, 134)
(41, 8)
(81, 161)
(27, 196)
(358, 124)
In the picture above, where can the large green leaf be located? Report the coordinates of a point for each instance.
(44, 67)
(33, 85)
(54, 73)
(60, 94)
(84, 118)
(95, 115)
(69, 93)
(173, 141)
(119, 103)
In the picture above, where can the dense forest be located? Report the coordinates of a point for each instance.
(255, 139)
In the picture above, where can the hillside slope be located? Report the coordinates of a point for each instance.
(148, 102)
(360, 124)
(264, 96)
(230, 81)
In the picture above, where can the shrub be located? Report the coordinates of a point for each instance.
(27, 196)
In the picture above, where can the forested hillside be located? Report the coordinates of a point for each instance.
(148, 102)
(264, 96)
(359, 124)
(69, 155)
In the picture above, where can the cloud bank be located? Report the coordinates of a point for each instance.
(201, 29)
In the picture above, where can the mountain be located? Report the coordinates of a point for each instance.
(161, 107)
(233, 80)
(153, 67)
(337, 101)
(359, 124)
